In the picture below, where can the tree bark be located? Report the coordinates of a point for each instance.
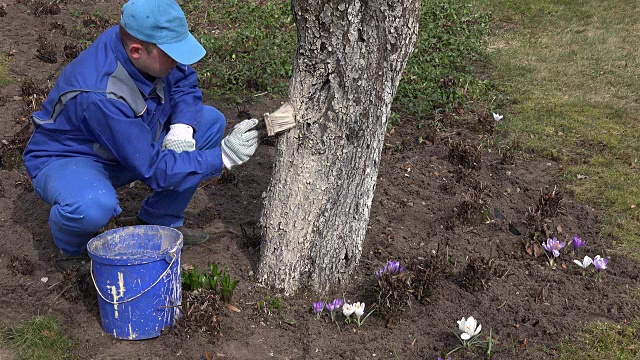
(349, 61)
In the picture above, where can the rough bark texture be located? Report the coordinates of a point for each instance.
(349, 61)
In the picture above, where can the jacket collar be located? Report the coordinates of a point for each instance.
(146, 87)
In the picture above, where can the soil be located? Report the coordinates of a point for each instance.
(479, 212)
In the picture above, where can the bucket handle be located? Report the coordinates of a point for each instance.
(171, 253)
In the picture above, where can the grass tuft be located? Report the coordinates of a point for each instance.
(603, 341)
(4, 73)
(38, 338)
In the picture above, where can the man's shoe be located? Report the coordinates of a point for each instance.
(79, 264)
(192, 237)
(189, 236)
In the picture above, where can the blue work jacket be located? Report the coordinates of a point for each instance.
(103, 108)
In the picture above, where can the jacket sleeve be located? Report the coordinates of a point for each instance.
(185, 96)
(130, 141)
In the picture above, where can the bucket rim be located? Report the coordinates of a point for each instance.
(162, 254)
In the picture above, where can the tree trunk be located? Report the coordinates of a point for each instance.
(348, 64)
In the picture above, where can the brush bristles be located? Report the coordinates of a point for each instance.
(280, 120)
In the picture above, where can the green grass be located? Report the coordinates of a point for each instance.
(450, 39)
(250, 47)
(604, 341)
(570, 72)
(4, 73)
(38, 338)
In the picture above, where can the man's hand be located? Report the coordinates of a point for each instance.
(238, 146)
(179, 138)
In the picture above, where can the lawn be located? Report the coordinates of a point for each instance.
(569, 72)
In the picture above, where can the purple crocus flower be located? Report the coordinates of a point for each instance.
(577, 243)
(334, 305)
(553, 246)
(600, 263)
(337, 304)
(391, 267)
(318, 306)
(394, 267)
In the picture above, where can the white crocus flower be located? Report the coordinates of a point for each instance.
(469, 328)
(497, 117)
(347, 309)
(585, 263)
(358, 309)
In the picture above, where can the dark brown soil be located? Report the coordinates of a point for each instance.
(483, 209)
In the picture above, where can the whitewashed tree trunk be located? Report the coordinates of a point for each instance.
(349, 61)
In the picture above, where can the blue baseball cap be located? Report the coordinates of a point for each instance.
(163, 23)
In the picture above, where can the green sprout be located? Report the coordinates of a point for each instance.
(227, 287)
(215, 279)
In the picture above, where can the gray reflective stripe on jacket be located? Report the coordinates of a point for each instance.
(120, 86)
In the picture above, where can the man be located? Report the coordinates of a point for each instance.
(129, 108)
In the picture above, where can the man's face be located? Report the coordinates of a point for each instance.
(154, 62)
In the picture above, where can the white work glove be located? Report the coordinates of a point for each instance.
(238, 146)
(179, 138)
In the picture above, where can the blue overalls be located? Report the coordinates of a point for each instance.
(101, 127)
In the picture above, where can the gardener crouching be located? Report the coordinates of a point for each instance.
(129, 108)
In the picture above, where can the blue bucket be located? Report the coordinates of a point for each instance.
(136, 271)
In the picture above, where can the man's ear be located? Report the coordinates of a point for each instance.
(135, 50)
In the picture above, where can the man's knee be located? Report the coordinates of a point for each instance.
(87, 214)
(210, 128)
(214, 116)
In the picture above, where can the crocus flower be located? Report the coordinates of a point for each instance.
(347, 310)
(394, 267)
(391, 267)
(497, 117)
(577, 243)
(600, 263)
(358, 309)
(469, 328)
(553, 246)
(317, 308)
(333, 307)
(584, 263)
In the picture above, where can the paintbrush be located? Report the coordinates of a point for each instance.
(278, 121)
